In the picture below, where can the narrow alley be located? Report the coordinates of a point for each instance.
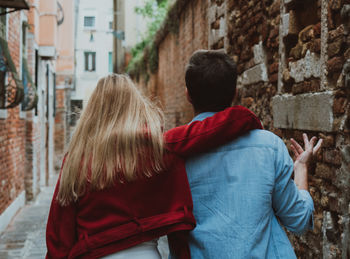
(291, 69)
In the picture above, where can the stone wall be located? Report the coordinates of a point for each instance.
(294, 72)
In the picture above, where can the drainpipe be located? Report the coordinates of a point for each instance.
(76, 21)
(115, 43)
(47, 124)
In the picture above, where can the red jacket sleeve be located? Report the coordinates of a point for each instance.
(214, 131)
(61, 228)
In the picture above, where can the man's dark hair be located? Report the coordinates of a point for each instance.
(211, 78)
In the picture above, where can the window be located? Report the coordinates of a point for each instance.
(90, 61)
(110, 62)
(89, 21)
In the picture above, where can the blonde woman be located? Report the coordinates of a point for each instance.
(119, 187)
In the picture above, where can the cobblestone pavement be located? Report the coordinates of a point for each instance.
(24, 238)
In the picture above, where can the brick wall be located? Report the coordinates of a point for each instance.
(174, 52)
(12, 133)
(62, 127)
(294, 74)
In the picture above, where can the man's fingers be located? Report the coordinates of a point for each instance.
(297, 146)
(318, 146)
(313, 141)
(306, 141)
(296, 154)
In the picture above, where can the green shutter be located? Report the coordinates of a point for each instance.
(31, 97)
(110, 62)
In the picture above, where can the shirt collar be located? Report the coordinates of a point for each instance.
(202, 116)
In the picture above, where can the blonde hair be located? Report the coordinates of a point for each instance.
(118, 137)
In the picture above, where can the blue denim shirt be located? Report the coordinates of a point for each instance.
(243, 194)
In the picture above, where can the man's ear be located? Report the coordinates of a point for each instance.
(188, 96)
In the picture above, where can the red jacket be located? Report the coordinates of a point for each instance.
(114, 219)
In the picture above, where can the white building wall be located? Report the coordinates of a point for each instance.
(135, 25)
(102, 44)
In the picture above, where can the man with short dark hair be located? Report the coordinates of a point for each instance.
(211, 80)
(242, 191)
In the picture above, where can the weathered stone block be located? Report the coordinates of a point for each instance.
(290, 24)
(222, 30)
(214, 36)
(305, 68)
(259, 53)
(254, 75)
(212, 13)
(305, 112)
(220, 10)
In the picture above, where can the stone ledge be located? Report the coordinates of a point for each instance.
(304, 112)
(48, 52)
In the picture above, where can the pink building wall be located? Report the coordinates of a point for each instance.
(48, 23)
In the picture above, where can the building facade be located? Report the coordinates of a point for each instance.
(28, 62)
(94, 48)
